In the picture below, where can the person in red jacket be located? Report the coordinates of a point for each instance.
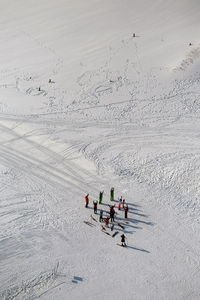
(86, 200)
(126, 211)
(107, 221)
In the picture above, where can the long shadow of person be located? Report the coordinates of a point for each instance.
(138, 249)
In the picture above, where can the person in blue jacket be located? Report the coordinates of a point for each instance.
(101, 215)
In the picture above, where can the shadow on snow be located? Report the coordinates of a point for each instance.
(127, 223)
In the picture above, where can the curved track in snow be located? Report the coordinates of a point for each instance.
(119, 111)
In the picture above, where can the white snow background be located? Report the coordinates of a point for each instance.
(119, 111)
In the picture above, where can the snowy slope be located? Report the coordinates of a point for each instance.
(119, 111)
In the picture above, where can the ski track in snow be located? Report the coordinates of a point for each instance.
(123, 126)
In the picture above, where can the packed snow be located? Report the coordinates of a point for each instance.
(97, 94)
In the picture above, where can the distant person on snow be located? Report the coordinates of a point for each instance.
(112, 194)
(101, 216)
(100, 197)
(123, 240)
(95, 206)
(123, 202)
(86, 200)
(112, 215)
(111, 207)
(107, 221)
(126, 211)
(120, 203)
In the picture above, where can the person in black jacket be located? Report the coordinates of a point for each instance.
(112, 214)
(123, 240)
(95, 206)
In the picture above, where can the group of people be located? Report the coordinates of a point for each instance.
(121, 205)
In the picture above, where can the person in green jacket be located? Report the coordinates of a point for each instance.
(112, 194)
(100, 197)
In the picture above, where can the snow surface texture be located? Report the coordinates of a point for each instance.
(119, 111)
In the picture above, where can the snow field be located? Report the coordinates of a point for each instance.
(119, 111)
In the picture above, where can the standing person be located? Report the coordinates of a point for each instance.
(86, 200)
(101, 215)
(111, 207)
(95, 206)
(123, 203)
(120, 201)
(100, 197)
(123, 240)
(112, 214)
(112, 194)
(126, 211)
(107, 221)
